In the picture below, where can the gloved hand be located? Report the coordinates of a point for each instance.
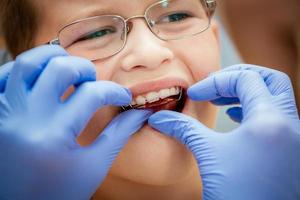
(258, 160)
(277, 82)
(39, 155)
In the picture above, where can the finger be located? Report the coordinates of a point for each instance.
(235, 113)
(187, 130)
(276, 81)
(30, 64)
(89, 97)
(117, 133)
(115, 136)
(62, 72)
(5, 70)
(248, 86)
(222, 101)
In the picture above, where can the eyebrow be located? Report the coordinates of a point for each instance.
(95, 12)
(92, 12)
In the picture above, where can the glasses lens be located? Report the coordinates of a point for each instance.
(94, 38)
(173, 19)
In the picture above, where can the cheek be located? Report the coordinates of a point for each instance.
(105, 69)
(201, 55)
(102, 72)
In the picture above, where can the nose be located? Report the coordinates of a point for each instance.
(143, 49)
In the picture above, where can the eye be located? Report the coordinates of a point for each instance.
(175, 17)
(97, 34)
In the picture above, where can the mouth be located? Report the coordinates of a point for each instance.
(172, 98)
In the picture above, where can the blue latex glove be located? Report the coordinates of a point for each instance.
(258, 160)
(277, 82)
(39, 155)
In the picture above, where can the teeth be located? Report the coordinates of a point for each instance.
(140, 100)
(164, 93)
(152, 97)
(155, 96)
(173, 91)
(133, 103)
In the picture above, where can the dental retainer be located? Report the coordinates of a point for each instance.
(130, 106)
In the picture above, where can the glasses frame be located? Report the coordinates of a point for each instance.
(210, 7)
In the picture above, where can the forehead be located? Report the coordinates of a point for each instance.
(122, 7)
(77, 9)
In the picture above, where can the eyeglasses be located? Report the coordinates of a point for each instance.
(104, 36)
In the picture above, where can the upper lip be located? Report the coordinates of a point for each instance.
(156, 85)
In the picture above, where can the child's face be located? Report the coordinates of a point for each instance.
(150, 157)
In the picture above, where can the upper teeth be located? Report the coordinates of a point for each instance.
(151, 97)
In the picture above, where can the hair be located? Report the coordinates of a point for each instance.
(18, 24)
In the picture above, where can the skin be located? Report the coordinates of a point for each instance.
(270, 34)
(152, 165)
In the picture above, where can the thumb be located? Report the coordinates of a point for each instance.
(187, 130)
(111, 141)
(248, 86)
(202, 141)
(97, 158)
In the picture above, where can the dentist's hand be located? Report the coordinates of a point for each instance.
(260, 159)
(277, 82)
(39, 155)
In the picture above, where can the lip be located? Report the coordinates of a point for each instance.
(156, 85)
